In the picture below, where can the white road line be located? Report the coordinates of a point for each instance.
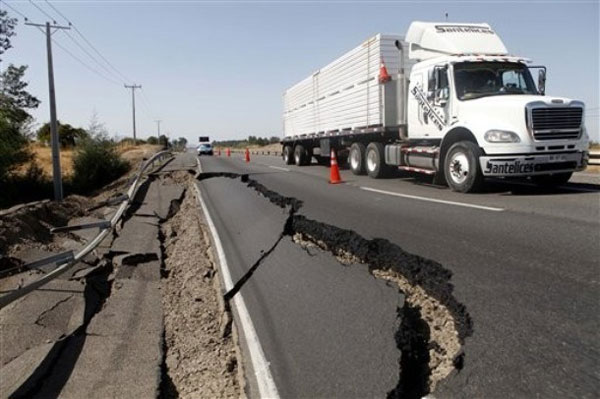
(277, 167)
(264, 379)
(439, 201)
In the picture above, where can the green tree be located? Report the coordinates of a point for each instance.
(163, 140)
(7, 30)
(68, 136)
(14, 103)
(152, 140)
(14, 98)
(13, 148)
(182, 142)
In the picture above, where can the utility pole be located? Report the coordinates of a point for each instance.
(56, 173)
(158, 121)
(133, 87)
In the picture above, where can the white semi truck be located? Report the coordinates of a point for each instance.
(446, 100)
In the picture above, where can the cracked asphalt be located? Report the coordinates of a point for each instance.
(527, 275)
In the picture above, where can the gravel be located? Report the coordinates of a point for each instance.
(202, 358)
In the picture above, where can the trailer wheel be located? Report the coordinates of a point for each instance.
(554, 180)
(375, 160)
(288, 157)
(301, 156)
(357, 158)
(461, 167)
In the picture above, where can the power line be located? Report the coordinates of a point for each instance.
(59, 45)
(147, 106)
(58, 12)
(15, 10)
(88, 42)
(90, 55)
(42, 11)
(83, 63)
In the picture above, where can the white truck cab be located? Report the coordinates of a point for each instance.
(465, 87)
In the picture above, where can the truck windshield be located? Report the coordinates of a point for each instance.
(481, 79)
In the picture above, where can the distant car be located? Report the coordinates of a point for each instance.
(205, 149)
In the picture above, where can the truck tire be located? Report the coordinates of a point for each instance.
(301, 157)
(462, 169)
(375, 161)
(554, 180)
(356, 158)
(288, 155)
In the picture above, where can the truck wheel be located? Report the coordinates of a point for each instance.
(288, 157)
(300, 155)
(554, 180)
(375, 160)
(461, 167)
(357, 158)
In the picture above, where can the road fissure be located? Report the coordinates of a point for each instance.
(434, 324)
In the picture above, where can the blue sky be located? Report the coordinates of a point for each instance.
(220, 68)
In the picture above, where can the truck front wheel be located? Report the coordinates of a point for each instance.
(288, 156)
(461, 167)
(375, 160)
(357, 158)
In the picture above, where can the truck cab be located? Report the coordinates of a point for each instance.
(480, 110)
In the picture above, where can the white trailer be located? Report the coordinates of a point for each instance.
(447, 100)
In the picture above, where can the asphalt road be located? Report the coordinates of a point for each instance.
(525, 265)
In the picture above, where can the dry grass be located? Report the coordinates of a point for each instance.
(42, 155)
(268, 147)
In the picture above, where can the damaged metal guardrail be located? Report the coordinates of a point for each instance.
(66, 261)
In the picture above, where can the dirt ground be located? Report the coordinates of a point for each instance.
(201, 354)
(42, 155)
(28, 227)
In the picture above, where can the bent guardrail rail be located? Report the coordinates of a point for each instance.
(104, 230)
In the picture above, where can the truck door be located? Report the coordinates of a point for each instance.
(429, 103)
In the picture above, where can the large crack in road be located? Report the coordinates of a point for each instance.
(434, 324)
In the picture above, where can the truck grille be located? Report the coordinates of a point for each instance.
(560, 123)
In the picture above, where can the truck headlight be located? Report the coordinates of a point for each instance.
(501, 136)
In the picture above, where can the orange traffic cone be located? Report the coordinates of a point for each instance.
(247, 158)
(334, 174)
(384, 76)
(228, 152)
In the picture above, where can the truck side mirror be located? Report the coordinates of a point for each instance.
(542, 81)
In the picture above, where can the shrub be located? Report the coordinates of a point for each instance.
(33, 185)
(96, 162)
(13, 148)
